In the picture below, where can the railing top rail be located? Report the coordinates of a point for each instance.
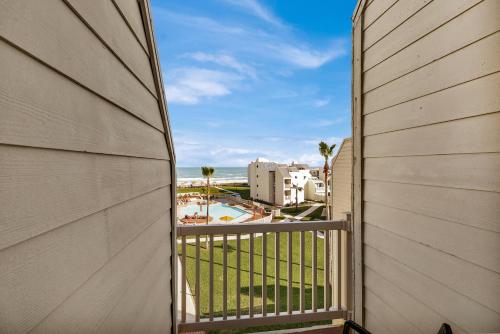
(294, 226)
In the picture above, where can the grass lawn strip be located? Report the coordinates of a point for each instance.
(244, 291)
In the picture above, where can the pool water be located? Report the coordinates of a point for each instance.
(216, 211)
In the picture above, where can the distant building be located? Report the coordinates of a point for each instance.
(275, 183)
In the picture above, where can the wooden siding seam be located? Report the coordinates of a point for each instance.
(430, 185)
(78, 83)
(428, 155)
(434, 92)
(381, 14)
(82, 152)
(402, 23)
(85, 217)
(424, 35)
(406, 292)
(412, 295)
(434, 249)
(372, 314)
(430, 124)
(433, 217)
(110, 49)
(401, 315)
(143, 47)
(133, 281)
(428, 63)
(84, 282)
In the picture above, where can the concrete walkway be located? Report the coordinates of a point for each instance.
(190, 309)
(308, 211)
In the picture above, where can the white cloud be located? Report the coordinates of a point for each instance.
(198, 22)
(321, 102)
(306, 57)
(192, 85)
(223, 60)
(253, 7)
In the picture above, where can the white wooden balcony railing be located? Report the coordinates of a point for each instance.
(332, 306)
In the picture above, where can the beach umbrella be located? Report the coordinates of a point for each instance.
(226, 218)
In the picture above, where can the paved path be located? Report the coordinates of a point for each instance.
(308, 211)
(190, 309)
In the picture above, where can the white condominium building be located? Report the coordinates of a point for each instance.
(281, 184)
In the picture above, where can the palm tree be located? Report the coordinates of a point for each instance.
(207, 172)
(297, 189)
(326, 151)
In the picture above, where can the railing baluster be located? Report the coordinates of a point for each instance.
(251, 272)
(277, 273)
(211, 278)
(224, 276)
(183, 280)
(302, 273)
(264, 274)
(198, 289)
(349, 244)
(339, 269)
(238, 264)
(326, 270)
(289, 276)
(314, 271)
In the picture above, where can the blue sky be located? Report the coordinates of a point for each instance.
(255, 78)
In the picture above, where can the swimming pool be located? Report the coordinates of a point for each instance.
(216, 211)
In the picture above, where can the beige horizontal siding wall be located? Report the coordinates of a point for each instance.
(341, 202)
(430, 135)
(341, 188)
(86, 171)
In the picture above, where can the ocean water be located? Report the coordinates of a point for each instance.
(192, 175)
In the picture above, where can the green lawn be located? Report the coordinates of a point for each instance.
(231, 300)
(242, 190)
(315, 215)
(295, 211)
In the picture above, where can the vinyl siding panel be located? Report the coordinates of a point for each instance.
(131, 12)
(87, 172)
(432, 16)
(69, 46)
(430, 194)
(105, 18)
(342, 180)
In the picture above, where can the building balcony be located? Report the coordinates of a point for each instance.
(221, 289)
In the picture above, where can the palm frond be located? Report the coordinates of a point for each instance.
(207, 171)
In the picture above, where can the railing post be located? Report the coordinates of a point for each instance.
(326, 270)
(264, 274)
(314, 270)
(277, 285)
(198, 290)
(238, 264)
(183, 280)
(251, 272)
(289, 298)
(302, 273)
(224, 277)
(211, 278)
(349, 267)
